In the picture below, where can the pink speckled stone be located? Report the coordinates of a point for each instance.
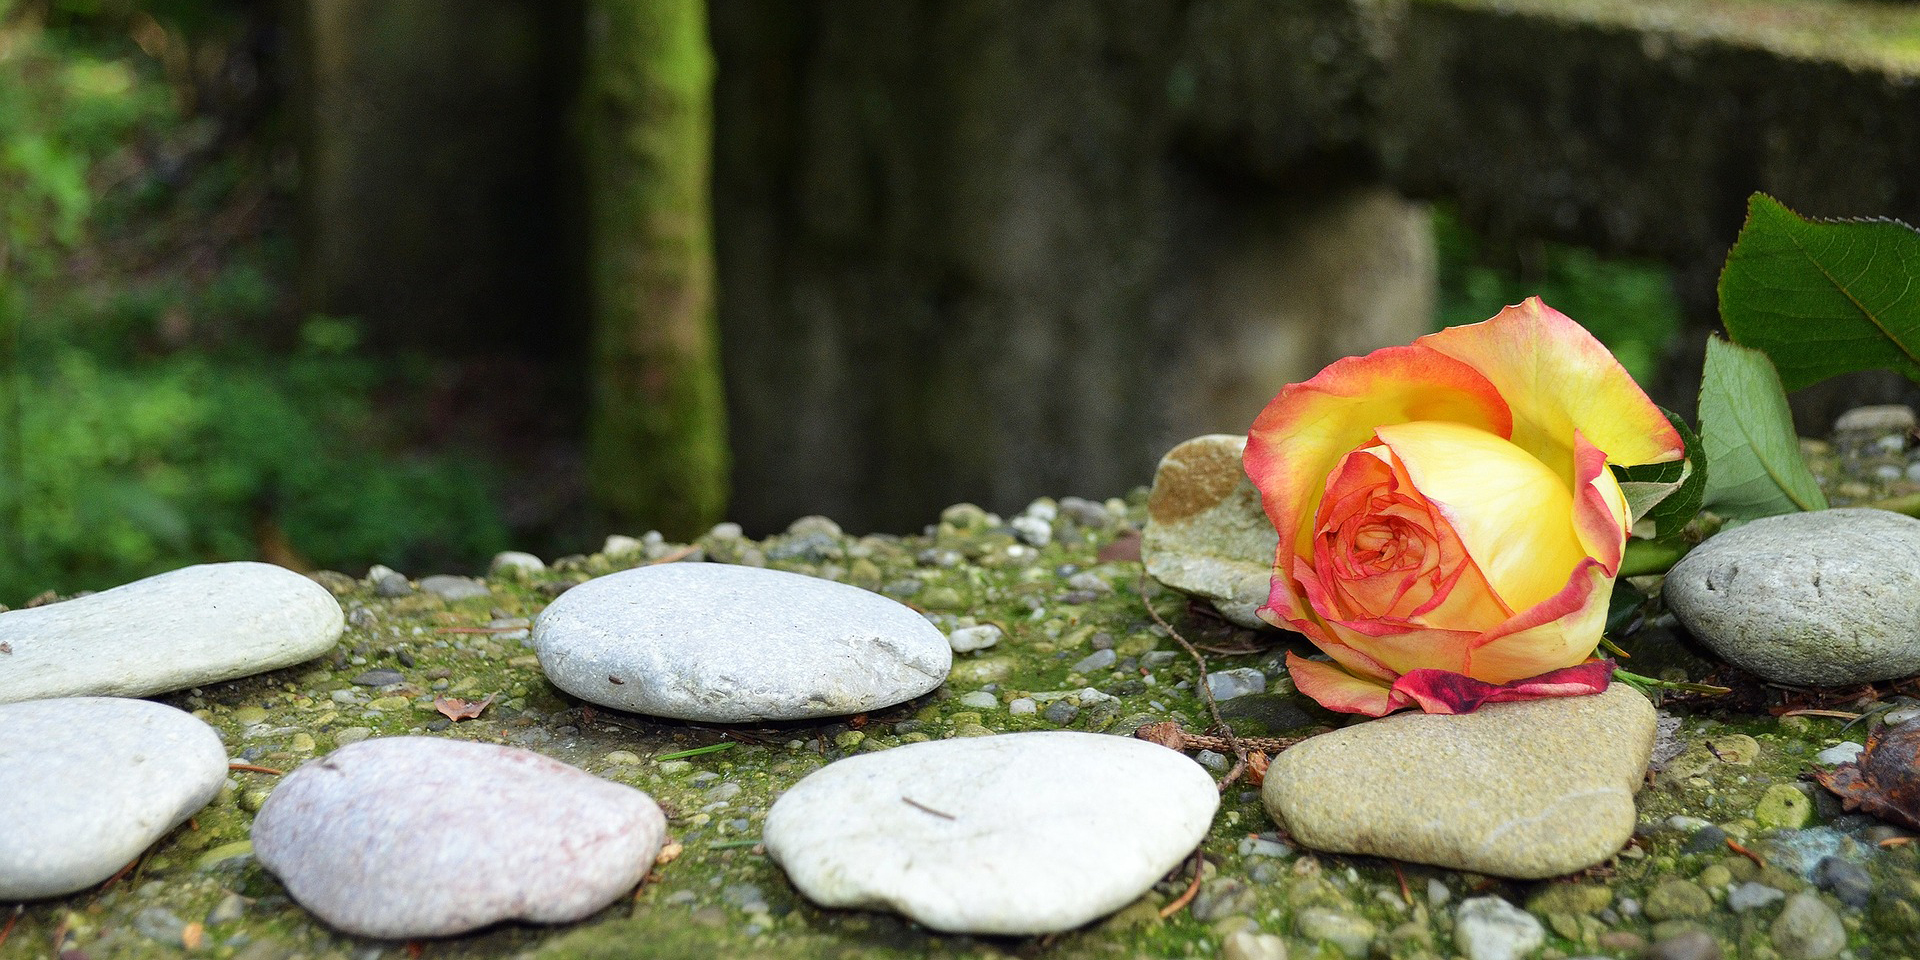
(421, 837)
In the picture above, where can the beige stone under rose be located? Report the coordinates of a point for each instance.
(1525, 790)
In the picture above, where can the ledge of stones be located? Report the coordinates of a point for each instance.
(1042, 618)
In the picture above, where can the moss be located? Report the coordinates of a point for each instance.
(657, 454)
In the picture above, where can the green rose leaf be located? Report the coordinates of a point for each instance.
(1754, 467)
(1664, 497)
(1822, 298)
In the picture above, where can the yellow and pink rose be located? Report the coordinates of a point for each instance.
(1449, 529)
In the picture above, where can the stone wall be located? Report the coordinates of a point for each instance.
(1641, 128)
(986, 250)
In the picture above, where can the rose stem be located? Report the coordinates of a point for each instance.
(1647, 557)
(1200, 687)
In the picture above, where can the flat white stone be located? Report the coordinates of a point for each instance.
(730, 644)
(89, 782)
(1022, 833)
(422, 837)
(195, 625)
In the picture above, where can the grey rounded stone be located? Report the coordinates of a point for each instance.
(1526, 790)
(1827, 598)
(420, 837)
(199, 624)
(92, 781)
(727, 644)
(1022, 833)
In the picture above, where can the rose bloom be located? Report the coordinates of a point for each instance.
(1449, 530)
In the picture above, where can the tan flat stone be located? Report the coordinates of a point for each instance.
(1206, 532)
(1524, 790)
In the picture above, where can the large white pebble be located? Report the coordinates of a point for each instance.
(1022, 833)
(420, 837)
(729, 644)
(199, 624)
(87, 783)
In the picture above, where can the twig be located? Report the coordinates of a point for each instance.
(917, 805)
(18, 908)
(1811, 712)
(249, 766)
(1200, 687)
(1180, 902)
(1743, 851)
(1170, 734)
(680, 554)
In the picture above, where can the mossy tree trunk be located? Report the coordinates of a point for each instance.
(657, 454)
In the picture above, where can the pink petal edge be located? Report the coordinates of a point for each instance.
(1438, 691)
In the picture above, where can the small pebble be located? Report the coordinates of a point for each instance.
(379, 678)
(514, 562)
(1022, 706)
(979, 700)
(1238, 682)
(1685, 945)
(1807, 929)
(1097, 660)
(454, 589)
(969, 639)
(1840, 753)
(1349, 934)
(1752, 895)
(1490, 928)
(1846, 880)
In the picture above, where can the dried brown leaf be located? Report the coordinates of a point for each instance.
(457, 709)
(1885, 780)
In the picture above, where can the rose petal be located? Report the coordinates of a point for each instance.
(1558, 379)
(1512, 513)
(1438, 691)
(1339, 690)
(1600, 514)
(1302, 434)
(1559, 632)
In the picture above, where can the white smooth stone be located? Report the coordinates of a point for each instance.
(422, 837)
(1022, 833)
(731, 644)
(89, 782)
(199, 624)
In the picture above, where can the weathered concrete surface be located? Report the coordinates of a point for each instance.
(962, 261)
(1642, 128)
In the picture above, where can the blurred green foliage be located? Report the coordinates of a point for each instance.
(1628, 304)
(147, 417)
